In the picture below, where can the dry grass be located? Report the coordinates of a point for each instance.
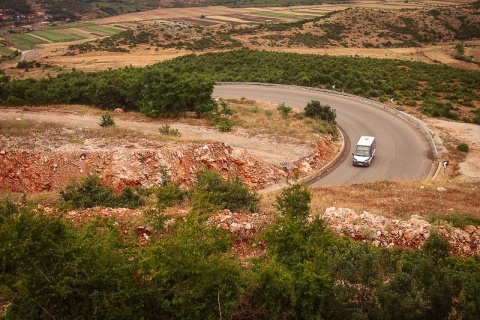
(402, 199)
(25, 128)
(32, 134)
(265, 119)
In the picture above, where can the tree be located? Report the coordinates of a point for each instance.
(316, 110)
(166, 94)
(298, 269)
(294, 202)
(213, 192)
(51, 270)
(189, 273)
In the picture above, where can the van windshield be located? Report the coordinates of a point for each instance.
(363, 151)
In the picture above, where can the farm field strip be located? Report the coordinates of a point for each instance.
(4, 51)
(24, 41)
(199, 22)
(314, 12)
(71, 25)
(255, 18)
(124, 25)
(55, 36)
(224, 19)
(278, 15)
(109, 31)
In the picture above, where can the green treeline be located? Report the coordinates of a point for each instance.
(185, 83)
(51, 268)
(153, 91)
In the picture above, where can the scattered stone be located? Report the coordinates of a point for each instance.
(406, 233)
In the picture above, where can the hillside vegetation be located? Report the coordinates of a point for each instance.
(61, 10)
(55, 265)
(353, 27)
(434, 90)
(167, 251)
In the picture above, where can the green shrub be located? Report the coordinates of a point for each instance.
(225, 108)
(7, 209)
(91, 192)
(214, 193)
(294, 202)
(28, 64)
(165, 130)
(225, 124)
(284, 109)
(463, 147)
(87, 193)
(129, 198)
(106, 120)
(168, 195)
(439, 109)
(458, 220)
(315, 109)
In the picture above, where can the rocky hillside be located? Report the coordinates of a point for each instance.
(39, 156)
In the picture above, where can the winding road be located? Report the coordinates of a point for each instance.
(403, 153)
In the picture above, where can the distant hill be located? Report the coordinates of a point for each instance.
(75, 10)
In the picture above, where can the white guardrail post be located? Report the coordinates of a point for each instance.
(384, 106)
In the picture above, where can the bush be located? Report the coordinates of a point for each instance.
(91, 192)
(221, 117)
(165, 130)
(225, 124)
(316, 110)
(463, 147)
(106, 120)
(168, 195)
(284, 109)
(294, 202)
(87, 193)
(128, 198)
(439, 109)
(28, 64)
(214, 193)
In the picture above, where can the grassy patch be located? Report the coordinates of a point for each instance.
(456, 220)
(277, 15)
(24, 41)
(100, 29)
(269, 120)
(57, 36)
(71, 25)
(4, 51)
(24, 128)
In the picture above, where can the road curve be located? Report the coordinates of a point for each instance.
(403, 153)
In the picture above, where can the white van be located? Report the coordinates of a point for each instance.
(364, 151)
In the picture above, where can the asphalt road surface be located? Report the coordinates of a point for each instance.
(403, 153)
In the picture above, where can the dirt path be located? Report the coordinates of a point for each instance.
(463, 133)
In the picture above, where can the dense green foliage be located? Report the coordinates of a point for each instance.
(52, 269)
(154, 91)
(317, 110)
(90, 192)
(186, 83)
(20, 6)
(212, 193)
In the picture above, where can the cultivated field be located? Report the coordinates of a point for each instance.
(191, 24)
